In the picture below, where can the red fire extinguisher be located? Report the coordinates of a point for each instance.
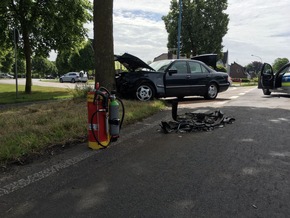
(103, 117)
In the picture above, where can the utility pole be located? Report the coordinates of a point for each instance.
(179, 28)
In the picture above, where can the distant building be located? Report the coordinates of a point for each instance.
(238, 71)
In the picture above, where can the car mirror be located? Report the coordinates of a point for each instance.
(171, 71)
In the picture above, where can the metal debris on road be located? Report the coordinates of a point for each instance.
(193, 122)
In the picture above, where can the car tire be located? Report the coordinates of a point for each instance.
(145, 92)
(60, 80)
(212, 91)
(266, 92)
(73, 81)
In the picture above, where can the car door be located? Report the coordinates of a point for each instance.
(282, 78)
(267, 77)
(176, 84)
(199, 78)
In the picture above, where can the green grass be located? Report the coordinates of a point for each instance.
(39, 93)
(30, 129)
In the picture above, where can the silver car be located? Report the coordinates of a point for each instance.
(6, 76)
(74, 77)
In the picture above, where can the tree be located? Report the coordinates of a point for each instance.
(20, 67)
(62, 62)
(83, 59)
(6, 61)
(103, 43)
(278, 63)
(43, 26)
(204, 24)
(254, 68)
(42, 66)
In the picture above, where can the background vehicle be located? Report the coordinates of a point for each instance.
(74, 77)
(269, 81)
(168, 78)
(49, 76)
(6, 76)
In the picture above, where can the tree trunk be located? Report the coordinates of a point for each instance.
(27, 53)
(103, 43)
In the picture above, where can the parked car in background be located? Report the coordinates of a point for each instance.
(49, 76)
(168, 78)
(6, 76)
(270, 81)
(74, 77)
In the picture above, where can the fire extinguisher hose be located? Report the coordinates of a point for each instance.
(95, 113)
(123, 111)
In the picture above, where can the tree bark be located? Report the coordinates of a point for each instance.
(27, 53)
(103, 43)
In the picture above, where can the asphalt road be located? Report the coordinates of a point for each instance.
(241, 170)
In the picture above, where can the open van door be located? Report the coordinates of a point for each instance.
(267, 77)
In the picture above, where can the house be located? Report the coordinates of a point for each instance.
(238, 71)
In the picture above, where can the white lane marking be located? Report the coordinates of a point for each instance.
(234, 97)
(22, 183)
(221, 102)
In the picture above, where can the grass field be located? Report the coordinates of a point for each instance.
(39, 93)
(29, 129)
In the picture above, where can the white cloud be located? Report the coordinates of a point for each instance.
(139, 29)
(257, 27)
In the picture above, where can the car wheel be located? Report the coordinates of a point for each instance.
(73, 80)
(145, 92)
(266, 92)
(60, 80)
(212, 91)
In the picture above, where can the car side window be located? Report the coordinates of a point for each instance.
(203, 69)
(180, 66)
(195, 67)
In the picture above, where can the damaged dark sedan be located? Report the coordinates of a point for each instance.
(168, 78)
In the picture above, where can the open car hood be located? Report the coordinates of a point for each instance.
(131, 62)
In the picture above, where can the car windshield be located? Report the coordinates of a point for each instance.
(160, 65)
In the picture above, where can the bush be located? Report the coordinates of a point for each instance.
(81, 90)
(221, 68)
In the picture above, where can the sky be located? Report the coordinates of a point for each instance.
(258, 30)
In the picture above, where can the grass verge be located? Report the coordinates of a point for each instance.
(39, 93)
(29, 130)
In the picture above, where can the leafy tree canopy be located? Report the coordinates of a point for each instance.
(42, 66)
(204, 24)
(279, 62)
(43, 26)
(84, 58)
